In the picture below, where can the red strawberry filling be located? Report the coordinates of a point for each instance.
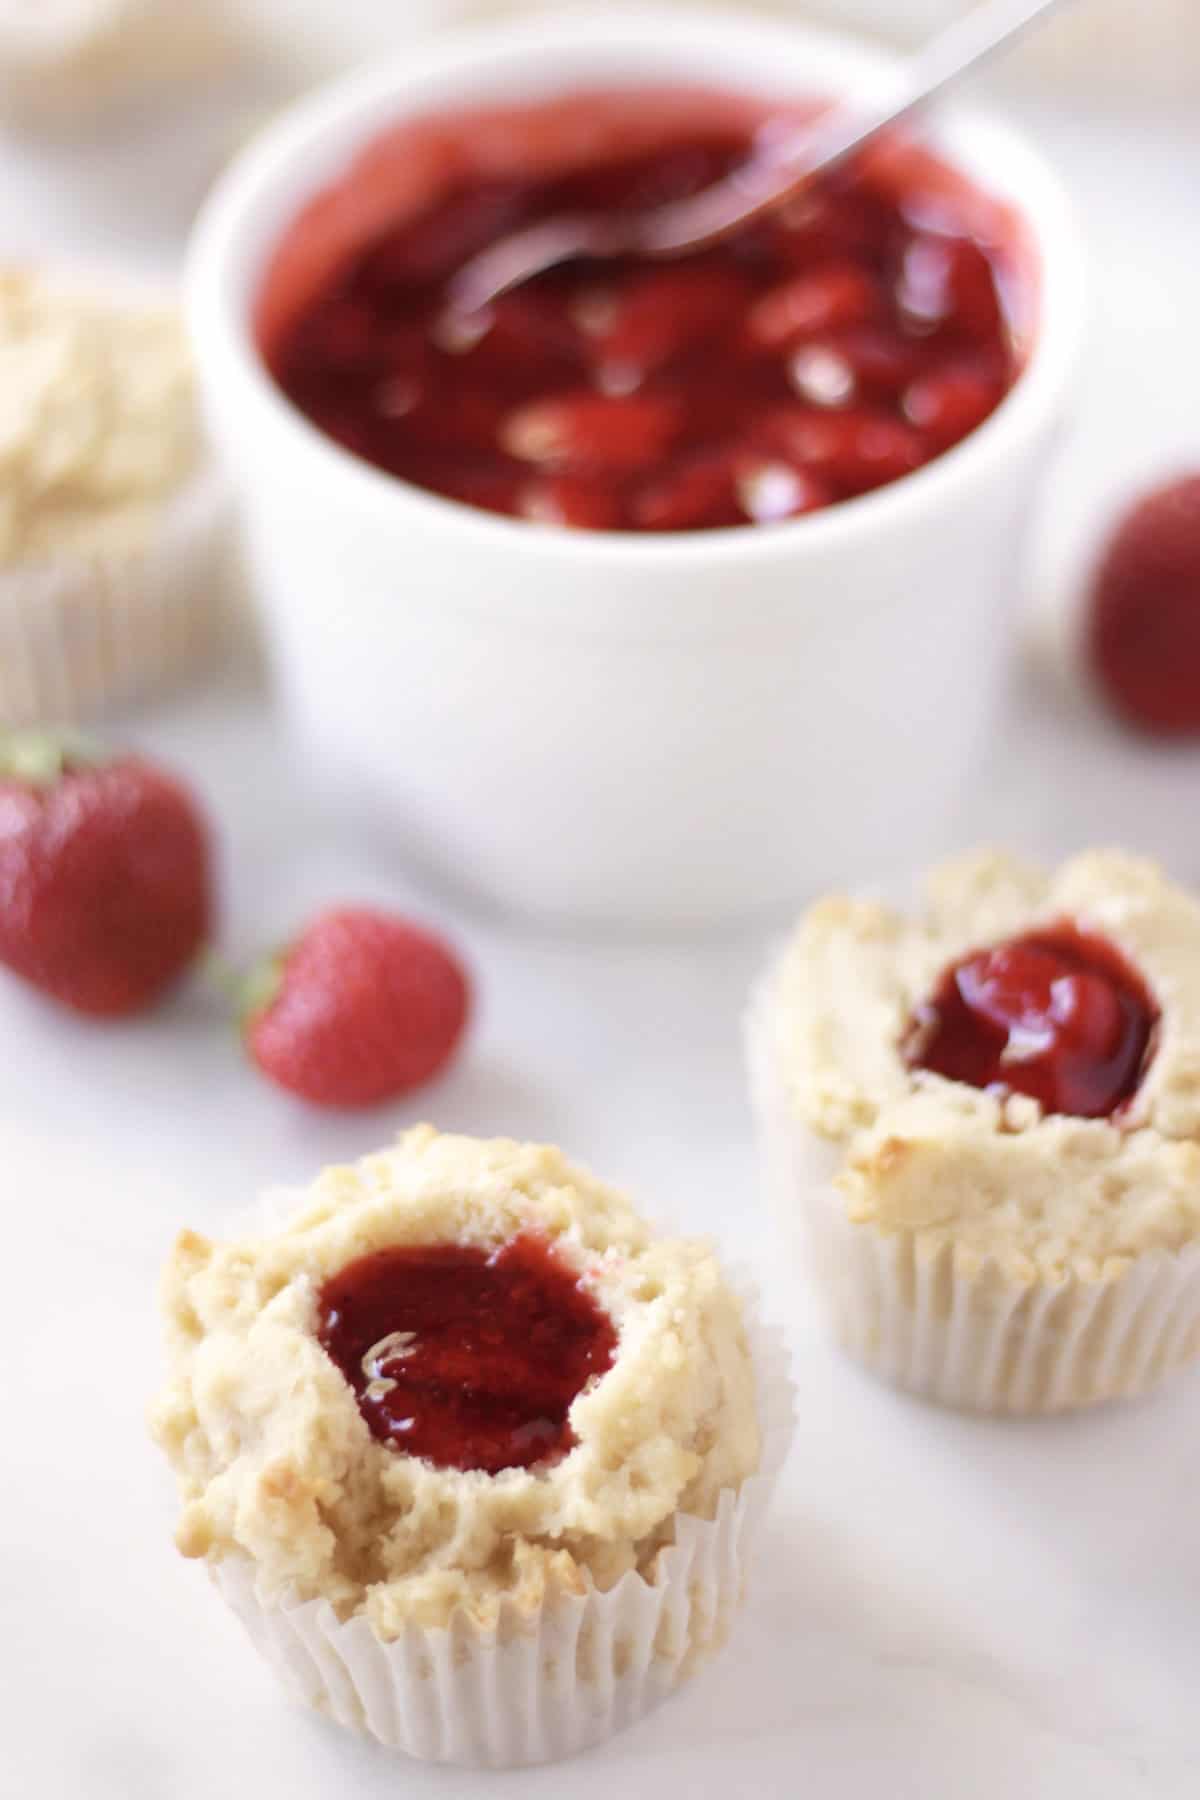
(467, 1358)
(1058, 1015)
(854, 335)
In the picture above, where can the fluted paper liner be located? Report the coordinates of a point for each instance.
(534, 1688)
(967, 1336)
(89, 632)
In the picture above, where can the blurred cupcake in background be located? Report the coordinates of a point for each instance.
(115, 546)
(64, 60)
(1144, 50)
(1147, 50)
(315, 38)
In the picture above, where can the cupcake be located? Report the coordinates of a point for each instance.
(1107, 47)
(474, 1455)
(114, 531)
(1150, 51)
(63, 60)
(981, 1122)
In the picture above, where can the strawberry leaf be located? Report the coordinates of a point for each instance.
(40, 758)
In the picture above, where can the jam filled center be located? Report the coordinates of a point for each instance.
(1058, 1015)
(467, 1358)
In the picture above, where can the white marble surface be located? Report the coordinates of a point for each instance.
(946, 1609)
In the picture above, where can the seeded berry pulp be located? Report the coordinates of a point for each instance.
(818, 354)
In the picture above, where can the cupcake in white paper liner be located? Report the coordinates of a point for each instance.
(66, 60)
(546, 1606)
(971, 1243)
(1145, 53)
(1137, 53)
(116, 551)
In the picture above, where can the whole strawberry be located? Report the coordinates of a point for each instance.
(359, 1008)
(105, 887)
(1143, 624)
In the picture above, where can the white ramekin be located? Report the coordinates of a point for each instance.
(605, 728)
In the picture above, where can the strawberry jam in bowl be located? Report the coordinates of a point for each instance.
(823, 351)
(615, 604)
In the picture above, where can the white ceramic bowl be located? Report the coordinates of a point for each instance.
(606, 728)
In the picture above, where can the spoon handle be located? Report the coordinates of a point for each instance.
(778, 168)
(965, 44)
(783, 166)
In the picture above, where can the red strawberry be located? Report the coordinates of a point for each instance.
(105, 894)
(359, 1008)
(1143, 621)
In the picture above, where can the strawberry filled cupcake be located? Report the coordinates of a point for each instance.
(475, 1456)
(982, 1127)
(115, 549)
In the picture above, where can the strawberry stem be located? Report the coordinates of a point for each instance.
(248, 991)
(259, 987)
(221, 977)
(40, 758)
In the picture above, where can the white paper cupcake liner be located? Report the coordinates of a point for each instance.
(969, 1337)
(534, 1689)
(82, 635)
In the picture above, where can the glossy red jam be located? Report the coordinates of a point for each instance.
(467, 1359)
(821, 353)
(1058, 1015)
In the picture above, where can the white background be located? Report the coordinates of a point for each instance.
(946, 1609)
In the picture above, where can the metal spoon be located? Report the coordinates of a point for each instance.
(773, 174)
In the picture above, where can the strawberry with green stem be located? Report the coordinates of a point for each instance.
(105, 873)
(359, 1008)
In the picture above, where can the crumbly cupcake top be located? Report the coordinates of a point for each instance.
(98, 420)
(1065, 1196)
(857, 1024)
(272, 1445)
